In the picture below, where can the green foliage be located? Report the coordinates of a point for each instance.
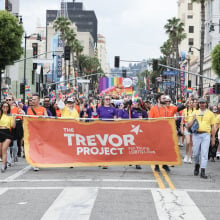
(11, 33)
(89, 65)
(216, 59)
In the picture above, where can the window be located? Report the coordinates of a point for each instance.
(190, 16)
(190, 6)
(191, 29)
(191, 42)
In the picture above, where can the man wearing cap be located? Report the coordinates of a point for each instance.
(201, 139)
(68, 110)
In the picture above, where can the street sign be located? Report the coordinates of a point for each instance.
(83, 81)
(170, 73)
(169, 83)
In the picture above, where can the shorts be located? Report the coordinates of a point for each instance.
(186, 132)
(5, 134)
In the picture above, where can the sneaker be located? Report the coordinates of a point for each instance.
(8, 164)
(104, 167)
(157, 168)
(138, 167)
(189, 160)
(180, 145)
(0, 159)
(3, 169)
(16, 159)
(165, 167)
(218, 155)
(185, 160)
(36, 169)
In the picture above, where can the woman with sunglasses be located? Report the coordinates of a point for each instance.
(6, 122)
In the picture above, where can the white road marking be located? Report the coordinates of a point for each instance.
(78, 180)
(16, 175)
(105, 188)
(175, 204)
(72, 203)
(3, 190)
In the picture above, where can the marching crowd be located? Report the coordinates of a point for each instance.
(197, 122)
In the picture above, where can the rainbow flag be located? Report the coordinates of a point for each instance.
(179, 101)
(52, 94)
(70, 93)
(27, 89)
(81, 95)
(129, 91)
(28, 95)
(18, 100)
(107, 82)
(189, 90)
(68, 85)
(5, 93)
(93, 103)
(135, 94)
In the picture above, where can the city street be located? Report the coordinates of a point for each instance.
(120, 192)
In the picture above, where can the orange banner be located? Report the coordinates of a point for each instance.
(66, 143)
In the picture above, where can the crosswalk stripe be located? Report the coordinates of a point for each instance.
(16, 175)
(72, 203)
(175, 204)
(3, 190)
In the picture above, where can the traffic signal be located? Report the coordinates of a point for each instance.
(35, 49)
(124, 73)
(22, 87)
(67, 53)
(34, 66)
(117, 61)
(155, 65)
(217, 88)
(213, 87)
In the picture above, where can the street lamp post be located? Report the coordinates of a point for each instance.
(25, 47)
(200, 69)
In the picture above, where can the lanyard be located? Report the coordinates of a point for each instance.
(164, 109)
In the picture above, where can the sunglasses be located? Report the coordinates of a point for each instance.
(8, 99)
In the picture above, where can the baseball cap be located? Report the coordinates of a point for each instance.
(70, 100)
(202, 100)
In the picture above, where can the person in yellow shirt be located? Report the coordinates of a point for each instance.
(201, 139)
(187, 112)
(68, 110)
(6, 123)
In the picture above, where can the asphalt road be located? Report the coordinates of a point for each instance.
(120, 192)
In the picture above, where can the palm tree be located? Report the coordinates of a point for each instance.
(202, 2)
(167, 49)
(175, 29)
(62, 25)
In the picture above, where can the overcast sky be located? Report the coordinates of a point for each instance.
(133, 28)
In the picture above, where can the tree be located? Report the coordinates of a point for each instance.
(62, 25)
(202, 3)
(166, 49)
(11, 33)
(215, 59)
(175, 30)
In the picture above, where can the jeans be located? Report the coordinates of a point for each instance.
(201, 143)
